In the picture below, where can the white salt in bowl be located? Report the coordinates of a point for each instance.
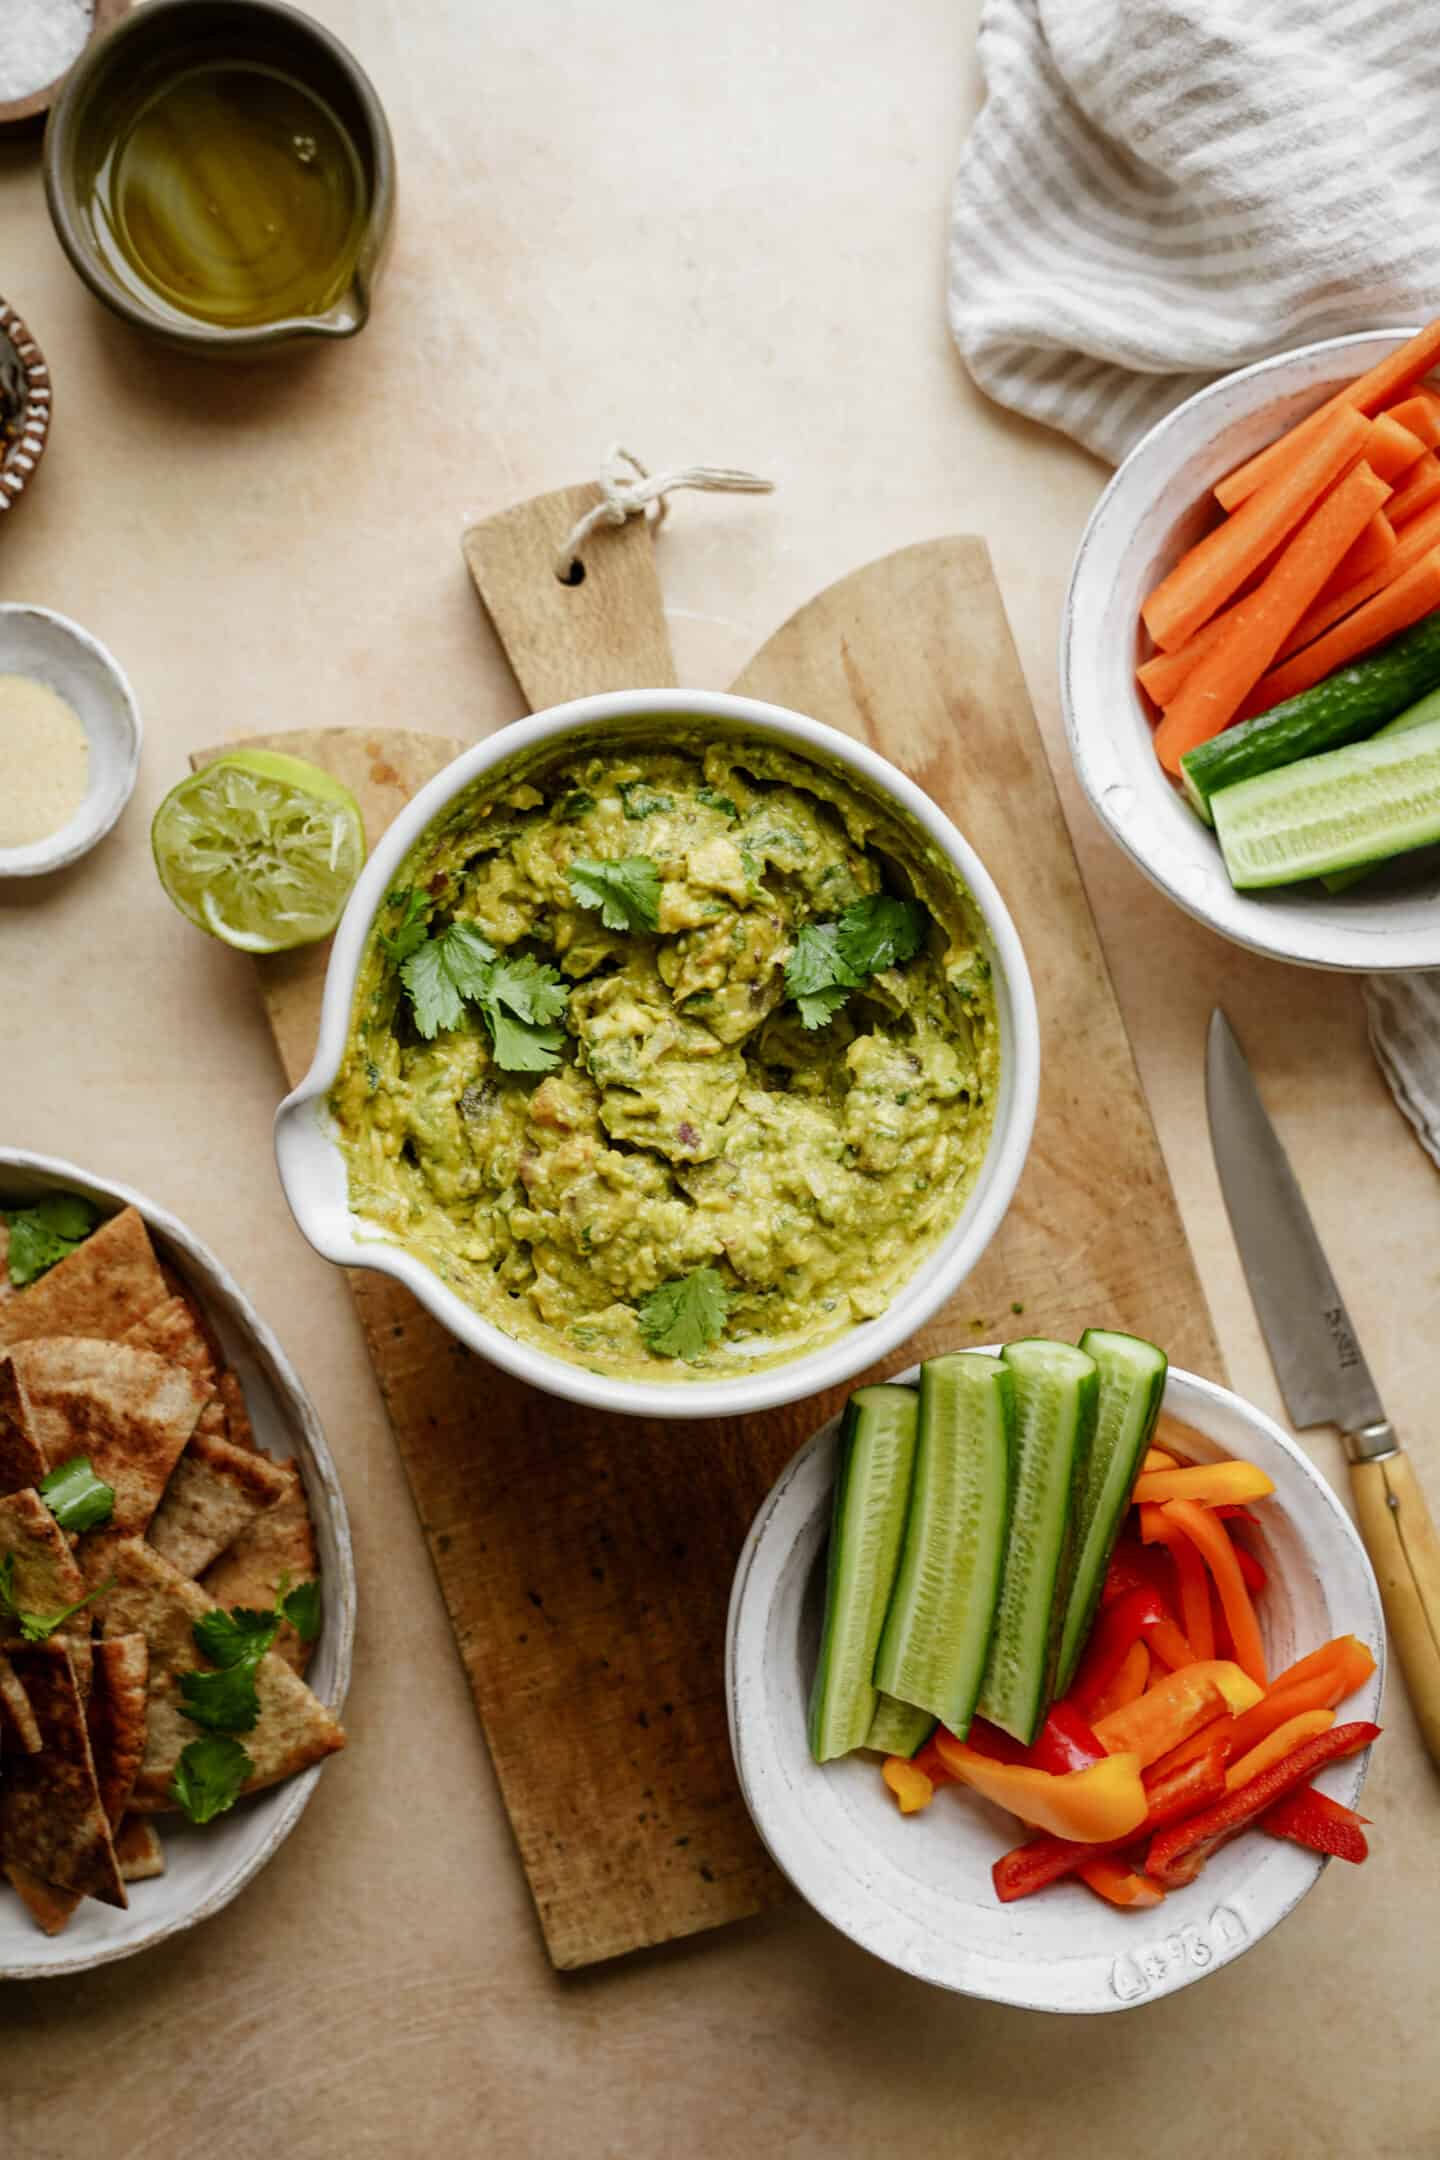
(916, 1890)
(1157, 506)
(51, 649)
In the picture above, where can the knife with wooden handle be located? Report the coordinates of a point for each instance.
(1321, 1369)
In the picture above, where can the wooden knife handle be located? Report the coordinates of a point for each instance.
(1405, 1553)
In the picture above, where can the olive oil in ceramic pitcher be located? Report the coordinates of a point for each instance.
(234, 196)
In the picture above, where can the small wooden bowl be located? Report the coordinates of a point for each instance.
(24, 375)
(37, 102)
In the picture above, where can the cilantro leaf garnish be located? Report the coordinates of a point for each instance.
(639, 800)
(44, 1233)
(626, 892)
(830, 959)
(301, 1607)
(235, 1637)
(576, 805)
(223, 1701)
(879, 932)
(209, 1777)
(76, 1497)
(519, 999)
(714, 800)
(37, 1627)
(686, 1315)
(410, 932)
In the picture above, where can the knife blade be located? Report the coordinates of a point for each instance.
(1319, 1364)
(1318, 1361)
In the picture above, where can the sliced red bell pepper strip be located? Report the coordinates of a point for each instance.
(1132, 1567)
(1178, 1854)
(1219, 1556)
(1252, 1574)
(1120, 1884)
(1112, 1638)
(988, 1740)
(1065, 1742)
(1313, 1819)
(1171, 1798)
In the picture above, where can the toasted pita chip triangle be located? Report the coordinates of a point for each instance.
(171, 1332)
(240, 1432)
(15, 1704)
(214, 1491)
(100, 1289)
(152, 1599)
(139, 1850)
(279, 1543)
(115, 1717)
(127, 1409)
(44, 1577)
(52, 1824)
(21, 1462)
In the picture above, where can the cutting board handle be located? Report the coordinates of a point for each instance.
(606, 632)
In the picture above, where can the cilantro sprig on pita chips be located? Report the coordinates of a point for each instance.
(129, 1472)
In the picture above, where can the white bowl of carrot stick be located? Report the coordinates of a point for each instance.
(928, 1862)
(1250, 654)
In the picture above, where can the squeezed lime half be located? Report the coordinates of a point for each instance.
(259, 849)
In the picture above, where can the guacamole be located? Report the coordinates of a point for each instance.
(672, 1052)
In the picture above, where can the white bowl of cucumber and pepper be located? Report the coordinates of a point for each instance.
(1052, 1673)
(1250, 654)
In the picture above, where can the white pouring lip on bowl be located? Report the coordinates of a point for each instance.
(312, 1167)
(1154, 508)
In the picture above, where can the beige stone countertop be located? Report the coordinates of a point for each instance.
(717, 233)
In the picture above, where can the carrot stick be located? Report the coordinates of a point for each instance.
(1421, 415)
(1420, 488)
(1366, 394)
(1372, 551)
(1391, 448)
(1161, 676)
(1390, 612)
(1219, 683)
(1334, 602)
(1205, 578)
(1219, 1556)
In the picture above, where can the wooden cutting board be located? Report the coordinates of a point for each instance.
(586, 1561)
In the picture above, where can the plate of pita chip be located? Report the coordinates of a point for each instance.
(177, 1591)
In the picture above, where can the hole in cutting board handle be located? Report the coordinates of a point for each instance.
(575, 575)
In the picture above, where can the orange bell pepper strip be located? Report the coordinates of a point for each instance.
(1178, 1854)
(1130, 1680)
(1089, 1806)
(1276, 1746)
(1218, 1734)
(1172, 1797)
(1169, 1713)
(1157, 1459)
(1167, 1646)
(1190, 1577)
(1219, 1556)
(927, 1761)
(1317, 1682)
(910, 1786)
(1218, 1484)
(1119, 1884)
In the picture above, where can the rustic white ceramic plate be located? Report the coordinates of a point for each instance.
(206, 1867)
(917, 1892)
(53, 650)
(1156, 506)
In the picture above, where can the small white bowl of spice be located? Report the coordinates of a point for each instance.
(69, 741)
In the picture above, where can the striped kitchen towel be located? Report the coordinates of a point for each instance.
(1157, 191)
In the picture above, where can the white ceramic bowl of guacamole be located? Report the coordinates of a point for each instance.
(386, 1121)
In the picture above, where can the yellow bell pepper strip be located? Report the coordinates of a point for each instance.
(1210, 1484)
(1218, 1554)
(1086, 1806)
(1177, 1855)
(1130, 1680)
(1172, 1797)
(1177, 1707)
(1276, 1746)
(910, 1786)
(1313, 1819)
(1119, 1884)
(1157, 1459)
